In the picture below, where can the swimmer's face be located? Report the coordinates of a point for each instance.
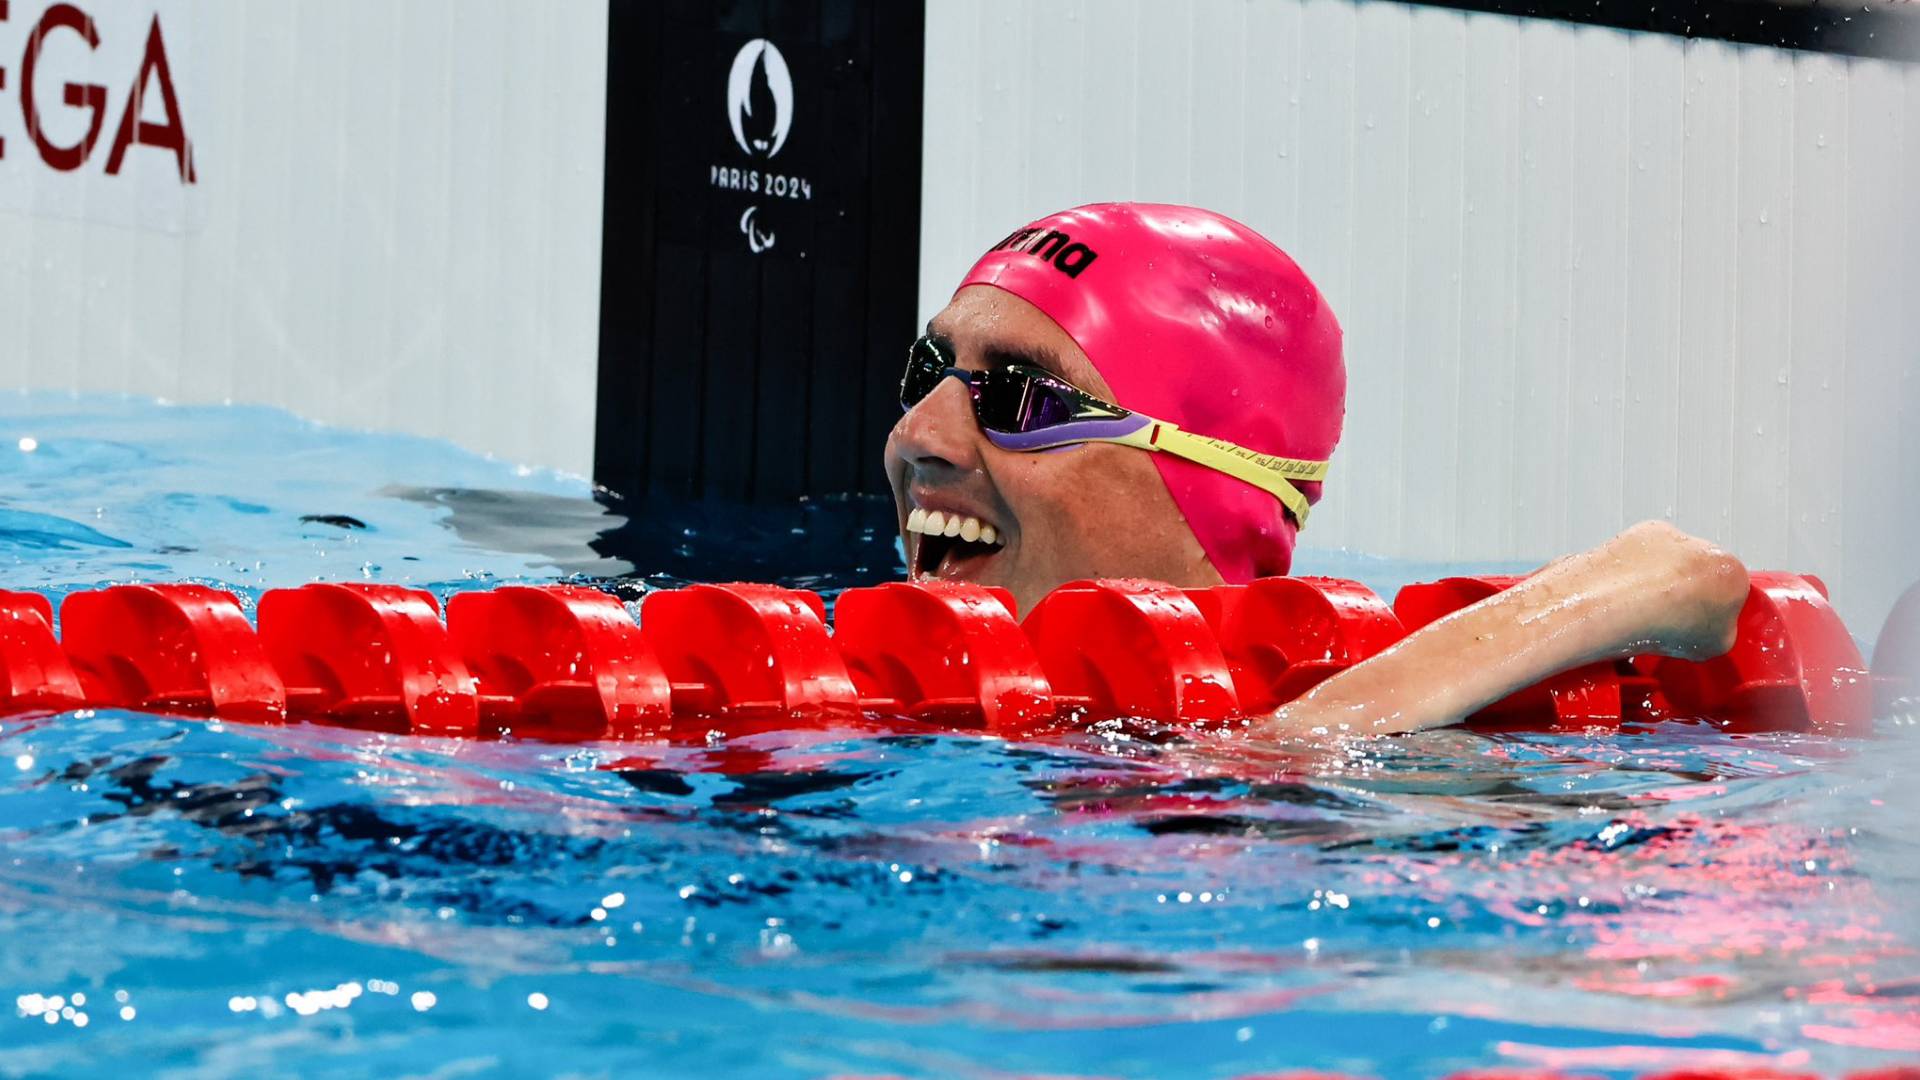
(1093, 510)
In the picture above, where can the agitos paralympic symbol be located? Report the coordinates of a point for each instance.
(154, 77)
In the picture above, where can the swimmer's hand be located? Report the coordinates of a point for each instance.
(1652, 589)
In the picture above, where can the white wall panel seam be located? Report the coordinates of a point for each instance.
(1563, 431)
(1293, 103)
(1626, 275)
(1843, 579)
(1412, 352)
(1738, 355)
(1247, 143)
(1676, 360)
(1788, 313)
(1910, 431)
(1824, 537)
(1509, 534)
(1462, 358)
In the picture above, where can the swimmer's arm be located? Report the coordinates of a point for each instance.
(1652, 589)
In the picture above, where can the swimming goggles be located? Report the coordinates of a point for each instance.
(1024, 408)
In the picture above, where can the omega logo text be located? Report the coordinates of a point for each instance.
(150, 89)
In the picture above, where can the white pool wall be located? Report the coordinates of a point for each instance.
(1587, 276)
(395, 224)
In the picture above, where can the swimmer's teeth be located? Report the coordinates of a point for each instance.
(964, 527)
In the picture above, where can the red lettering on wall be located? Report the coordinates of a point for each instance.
(3, 75)
(64, 158)
(170, 135)
(156, 73)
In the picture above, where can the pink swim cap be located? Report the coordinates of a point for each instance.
(1193, 318)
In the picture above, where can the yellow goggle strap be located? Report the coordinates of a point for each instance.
(1275, 475)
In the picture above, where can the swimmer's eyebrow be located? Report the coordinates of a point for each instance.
(997, 355)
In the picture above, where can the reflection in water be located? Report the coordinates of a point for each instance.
(827, 544)
(1664, 895)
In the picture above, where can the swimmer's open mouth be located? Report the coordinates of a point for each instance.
(952, 546)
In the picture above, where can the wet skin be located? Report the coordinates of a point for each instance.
(1651, 589)
(1100, 510)
(1095, 510)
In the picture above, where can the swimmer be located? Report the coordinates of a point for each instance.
(1133, 390)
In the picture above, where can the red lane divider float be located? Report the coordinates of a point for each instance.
(560, 662)
(943, 652)
(746, 649)
(374, 656)
(1584, 697)
(35, 674)
(170, 648)
(564, 662)
(1793, 666)
(1284, 636)
(1132, 648)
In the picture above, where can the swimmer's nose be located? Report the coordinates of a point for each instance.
(940, 431)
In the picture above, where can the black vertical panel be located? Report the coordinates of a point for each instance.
(838, 436)
(678, 253)
(894, 244)
(755, 288)
(841, 449)
(791, 20)
(626, 283)
(732, 375)
(781, 446)
(745, 18)
(671, 427)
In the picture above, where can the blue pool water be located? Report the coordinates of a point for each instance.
(183, 897)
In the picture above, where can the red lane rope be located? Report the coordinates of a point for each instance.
(571, 663)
